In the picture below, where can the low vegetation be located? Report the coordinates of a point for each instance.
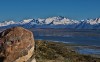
(46, 51)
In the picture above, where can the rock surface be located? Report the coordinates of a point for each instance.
(16, 45)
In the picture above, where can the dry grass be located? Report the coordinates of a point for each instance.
(59, 52)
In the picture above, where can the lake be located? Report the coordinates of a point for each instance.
(80, 37)
(93, 41)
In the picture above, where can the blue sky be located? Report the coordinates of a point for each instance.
(23, 9)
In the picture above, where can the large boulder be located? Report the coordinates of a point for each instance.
(16, 45)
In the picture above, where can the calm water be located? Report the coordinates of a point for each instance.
(92, 41)
(81, 37)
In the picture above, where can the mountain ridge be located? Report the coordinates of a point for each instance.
(54, 22)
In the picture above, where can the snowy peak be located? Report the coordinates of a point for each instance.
(50, 20)
(93, 21)
(26, 21)
(53, 22)
(5, 23)
(57, 21)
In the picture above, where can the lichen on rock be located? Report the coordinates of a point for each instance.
(16, 45)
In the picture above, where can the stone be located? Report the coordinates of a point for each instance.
(16, 45)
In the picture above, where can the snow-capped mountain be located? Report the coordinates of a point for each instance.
(93, 22)
(54, 22)
(5, 23)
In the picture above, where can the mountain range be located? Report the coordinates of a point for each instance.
(54, 22)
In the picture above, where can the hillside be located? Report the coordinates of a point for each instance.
(46, 51)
